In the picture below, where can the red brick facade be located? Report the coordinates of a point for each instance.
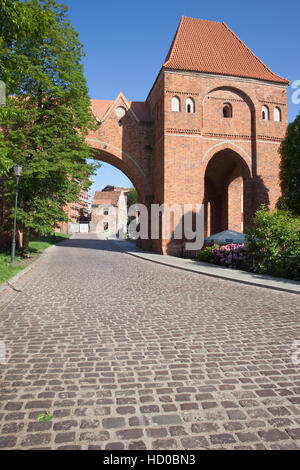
(198, 155)
(76, 211)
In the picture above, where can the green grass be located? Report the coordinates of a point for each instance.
(8, 270)
(36, 247)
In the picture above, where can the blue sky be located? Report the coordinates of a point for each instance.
(126, 43)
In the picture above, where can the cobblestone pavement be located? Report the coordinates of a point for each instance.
(128, 354)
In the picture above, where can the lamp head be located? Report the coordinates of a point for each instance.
(18, 169)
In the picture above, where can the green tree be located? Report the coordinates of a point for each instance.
(6, 163)
(290, 168)
(12, 23)
(45, 122)
(132, 197)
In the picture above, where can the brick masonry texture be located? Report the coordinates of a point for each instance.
(169, 360)
(231, 165)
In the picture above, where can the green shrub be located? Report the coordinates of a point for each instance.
(274, 234)
(206, 254)
(293, 269)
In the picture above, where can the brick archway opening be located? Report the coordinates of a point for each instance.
(227, 200)
(138, 179)
(132, 174)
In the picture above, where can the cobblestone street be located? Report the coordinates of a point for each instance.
(128, 354)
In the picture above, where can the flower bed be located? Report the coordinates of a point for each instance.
(229, 255)
(237, 256)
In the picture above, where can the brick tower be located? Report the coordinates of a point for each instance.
(208, 133)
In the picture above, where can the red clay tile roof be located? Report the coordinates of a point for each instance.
(208, 46)
(106, 197)
(100, 107)
(141, 109)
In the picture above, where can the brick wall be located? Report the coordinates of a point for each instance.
(231, 165)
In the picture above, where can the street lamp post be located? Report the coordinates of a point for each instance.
(18, 171)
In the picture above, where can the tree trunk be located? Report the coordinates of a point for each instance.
(25, 247)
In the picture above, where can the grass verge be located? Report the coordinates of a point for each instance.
(36, 248)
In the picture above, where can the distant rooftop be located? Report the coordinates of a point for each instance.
(106, 197)
(115, 188)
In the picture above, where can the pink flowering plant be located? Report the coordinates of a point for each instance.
(230, 255)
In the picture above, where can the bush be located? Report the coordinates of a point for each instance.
(274, 234)
(206, 254)
(273, 247)
(293, 269)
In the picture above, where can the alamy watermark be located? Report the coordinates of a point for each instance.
(296, 94)
(161, 221)
(2, 353)
(296, 353)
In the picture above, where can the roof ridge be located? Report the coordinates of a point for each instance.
(202, 19)
(250, 50)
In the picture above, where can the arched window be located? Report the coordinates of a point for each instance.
(265, 113)
(190, 105)
(227, 110)
(175, 104)
(277, 114)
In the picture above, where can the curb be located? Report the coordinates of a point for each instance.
(218, 276)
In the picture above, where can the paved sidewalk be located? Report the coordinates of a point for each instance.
(210, 269)
(128, 354)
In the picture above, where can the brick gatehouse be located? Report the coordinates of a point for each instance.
(208, 132)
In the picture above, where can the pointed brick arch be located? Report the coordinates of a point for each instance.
(228, 191)
(124, 162)
(227, 145)
(125, 139)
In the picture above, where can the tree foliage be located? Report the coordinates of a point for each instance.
(47, 116)
(132, 197)
(12, 21)
(290, 168)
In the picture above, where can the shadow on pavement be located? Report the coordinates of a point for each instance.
(89, 242)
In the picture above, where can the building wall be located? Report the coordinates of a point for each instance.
(191, 140)
(116, 218)
(98, 219)
(231, 165)
(126, 143)
(74, 211)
